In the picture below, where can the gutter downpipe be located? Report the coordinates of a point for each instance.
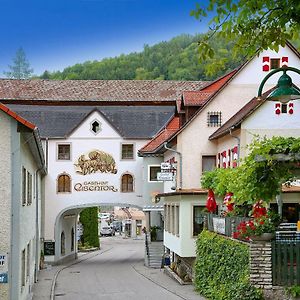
(180, 164)
(238, 141)
(37, 223)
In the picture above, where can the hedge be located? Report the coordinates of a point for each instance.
(222, 269)
(89, 221)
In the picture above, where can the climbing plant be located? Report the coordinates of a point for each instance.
(269, 164)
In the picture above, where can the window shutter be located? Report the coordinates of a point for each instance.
(266, 63)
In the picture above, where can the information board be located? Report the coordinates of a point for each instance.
(49, 248)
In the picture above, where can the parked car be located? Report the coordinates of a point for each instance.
(107, 230)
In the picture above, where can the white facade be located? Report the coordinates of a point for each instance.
(20, 197)
(193, 141)
(92, 189)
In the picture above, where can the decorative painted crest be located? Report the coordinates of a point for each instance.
(95, 161)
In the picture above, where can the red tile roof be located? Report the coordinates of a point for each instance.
(162, 136)
(198, 98)
(17, 117)
(96, 90)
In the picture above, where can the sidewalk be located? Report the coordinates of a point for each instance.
(44, 288)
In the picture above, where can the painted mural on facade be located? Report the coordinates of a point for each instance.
(95, 161)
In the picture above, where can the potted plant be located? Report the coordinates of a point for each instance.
(153, 232)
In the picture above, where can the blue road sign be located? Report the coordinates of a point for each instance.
(3, 278)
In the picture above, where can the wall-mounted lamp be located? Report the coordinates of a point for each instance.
(285, 90)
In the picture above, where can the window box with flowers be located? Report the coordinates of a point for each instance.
(261, 228)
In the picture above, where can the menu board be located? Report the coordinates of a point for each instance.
(49, 248)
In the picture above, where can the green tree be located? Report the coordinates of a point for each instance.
(89, 221)
(253, 25)
(21, 67)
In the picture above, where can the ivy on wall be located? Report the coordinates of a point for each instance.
(222, 269)
(270, 163)
(89, 221)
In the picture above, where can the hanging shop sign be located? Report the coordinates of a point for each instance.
(95, 161)
(165, 176)
(94, 186)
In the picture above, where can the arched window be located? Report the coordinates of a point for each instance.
(127, 183)
(62, 244)
(63, 183)
(72, 239)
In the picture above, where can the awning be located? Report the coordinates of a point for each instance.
(153, 208)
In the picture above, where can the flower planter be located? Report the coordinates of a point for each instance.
(267, 236)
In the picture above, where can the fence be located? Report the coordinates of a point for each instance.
(229, 223)
(286, 262)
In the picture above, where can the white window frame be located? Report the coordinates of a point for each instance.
(91, 126)
(133, 151)
(63, 144)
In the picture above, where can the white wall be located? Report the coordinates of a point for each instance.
(193, 141)
(83, 141)
(184, 245)
(5, 195)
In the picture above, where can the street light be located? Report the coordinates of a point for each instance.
(285, 91)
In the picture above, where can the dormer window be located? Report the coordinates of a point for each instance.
(96, 126)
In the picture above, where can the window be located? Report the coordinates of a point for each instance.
(29, 188)
(177, 220)
(275, 63)
(208, 162)
(23, 266)
(153, 170)
(127, 183)
(214, 119)
(96, 126)
(64, 152)
(62, 244)
(28, 261)
(24, 194)
(72, 239)
(283, 108)
(64, 183)
(198, 219)
(127, 151)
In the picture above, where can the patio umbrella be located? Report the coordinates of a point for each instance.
(211, 203)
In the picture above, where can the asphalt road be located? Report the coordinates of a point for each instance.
(111, 275)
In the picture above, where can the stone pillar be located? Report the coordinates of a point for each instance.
(261, 264)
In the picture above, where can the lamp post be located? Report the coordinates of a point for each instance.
(285, 91)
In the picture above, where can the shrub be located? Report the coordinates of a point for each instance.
(222, 269)
(89, 221)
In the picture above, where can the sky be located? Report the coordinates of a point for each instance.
(59, 33)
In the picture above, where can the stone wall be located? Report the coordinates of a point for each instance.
(261, 265)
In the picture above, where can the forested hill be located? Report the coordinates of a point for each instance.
(176, 59)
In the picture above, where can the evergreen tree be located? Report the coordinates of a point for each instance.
(21, 67)
(89, 221)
